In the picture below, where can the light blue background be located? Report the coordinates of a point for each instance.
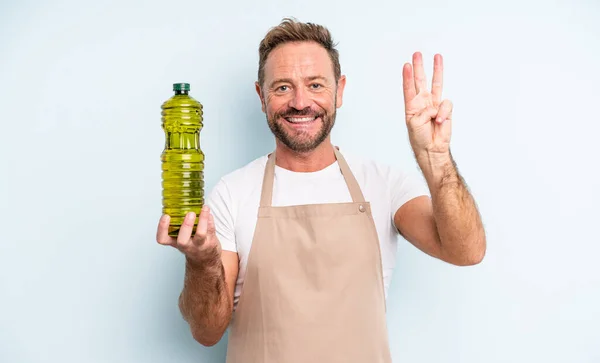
(81, 83)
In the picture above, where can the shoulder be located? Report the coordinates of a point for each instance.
(229, 195)
(249, 171)
(242, 180)
(401, 182)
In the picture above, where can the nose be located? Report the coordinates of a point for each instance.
(300, 99)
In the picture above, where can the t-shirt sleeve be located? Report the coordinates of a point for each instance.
(404, 186)
(220, 203)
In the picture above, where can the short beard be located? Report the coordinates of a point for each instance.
(302, 146)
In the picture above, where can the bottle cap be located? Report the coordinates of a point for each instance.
(181, 86)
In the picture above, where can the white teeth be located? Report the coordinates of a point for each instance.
(300, 119)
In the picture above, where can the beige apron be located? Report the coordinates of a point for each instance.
(313, 289)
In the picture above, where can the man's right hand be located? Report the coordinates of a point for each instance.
(206, 301)
(203, 247)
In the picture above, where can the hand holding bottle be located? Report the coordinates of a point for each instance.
(201, 248)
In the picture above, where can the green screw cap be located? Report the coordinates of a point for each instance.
(181, 86)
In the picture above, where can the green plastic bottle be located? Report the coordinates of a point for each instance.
(182, 159)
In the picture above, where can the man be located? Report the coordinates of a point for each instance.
(294, 251)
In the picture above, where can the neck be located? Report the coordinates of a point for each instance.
(310, 161)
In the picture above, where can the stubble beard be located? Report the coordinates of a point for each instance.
(300, 141)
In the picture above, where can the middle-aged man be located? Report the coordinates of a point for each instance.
(297, 249)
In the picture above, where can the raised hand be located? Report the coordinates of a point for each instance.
(428, 118)
(203, 247)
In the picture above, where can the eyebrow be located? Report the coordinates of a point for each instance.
(289, 80)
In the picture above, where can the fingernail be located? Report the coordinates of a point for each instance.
(439, 120)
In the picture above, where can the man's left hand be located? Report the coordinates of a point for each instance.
(428, 118)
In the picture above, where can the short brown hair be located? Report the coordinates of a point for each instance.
(290, 30)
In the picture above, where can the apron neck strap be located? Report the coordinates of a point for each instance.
(353, 187)
(266, 197)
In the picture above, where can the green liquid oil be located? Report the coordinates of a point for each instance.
(182, 159)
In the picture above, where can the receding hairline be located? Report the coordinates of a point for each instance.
(311, 77)
(289, 31)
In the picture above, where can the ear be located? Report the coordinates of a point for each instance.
(340, 91)
(260, 95)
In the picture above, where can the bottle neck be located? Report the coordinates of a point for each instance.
(178, 93)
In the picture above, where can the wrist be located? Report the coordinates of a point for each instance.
(437, 168)
(207, 260)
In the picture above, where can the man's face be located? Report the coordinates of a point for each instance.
(299, 94)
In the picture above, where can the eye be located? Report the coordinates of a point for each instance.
(315, 86)
(282, 88)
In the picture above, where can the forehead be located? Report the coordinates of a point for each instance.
(298, 60)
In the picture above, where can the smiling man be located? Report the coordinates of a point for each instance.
(302, 118)
(294, 252)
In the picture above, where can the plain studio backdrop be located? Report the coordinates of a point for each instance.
(82, 278)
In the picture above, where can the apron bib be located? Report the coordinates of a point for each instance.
(313, 289)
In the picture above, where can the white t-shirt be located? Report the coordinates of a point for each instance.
(235, 199)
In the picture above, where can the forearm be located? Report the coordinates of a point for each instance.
(204, 302)
(457, 219)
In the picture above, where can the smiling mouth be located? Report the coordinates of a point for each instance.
(301, 120)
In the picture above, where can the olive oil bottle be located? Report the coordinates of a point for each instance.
(182, 159)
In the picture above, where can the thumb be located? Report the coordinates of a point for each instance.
(423, 117)
(444, 112)
(211, 230)
(202, 229)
